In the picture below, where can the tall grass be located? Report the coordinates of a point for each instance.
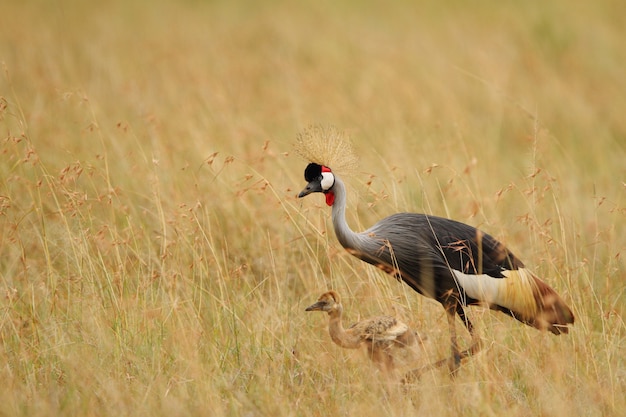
(155, 261)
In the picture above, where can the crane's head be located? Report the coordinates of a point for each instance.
(329, 302)
(320, 180)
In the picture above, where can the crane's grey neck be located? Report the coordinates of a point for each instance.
(345, 235)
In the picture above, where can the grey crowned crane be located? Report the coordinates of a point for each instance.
(448, 261)
(381, 335)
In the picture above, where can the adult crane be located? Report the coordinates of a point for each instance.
(448, 261)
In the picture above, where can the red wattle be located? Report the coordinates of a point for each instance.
(330, 198)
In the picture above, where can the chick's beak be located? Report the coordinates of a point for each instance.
(319, 306)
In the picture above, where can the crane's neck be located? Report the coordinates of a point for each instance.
(345, 235)
(338, 333)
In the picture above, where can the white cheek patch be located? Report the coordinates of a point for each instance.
(328, 180)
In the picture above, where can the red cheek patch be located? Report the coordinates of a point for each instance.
(330, 198)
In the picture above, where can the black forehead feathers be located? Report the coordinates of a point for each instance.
(312, 171)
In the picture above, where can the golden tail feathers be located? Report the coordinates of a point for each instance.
(553, 315)
(521, 295)
(532, 301)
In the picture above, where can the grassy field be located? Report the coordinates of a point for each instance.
(155, 261)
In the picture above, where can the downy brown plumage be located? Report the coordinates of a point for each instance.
(380, 335)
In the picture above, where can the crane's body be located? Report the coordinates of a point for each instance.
(381, 335)
(451, 262)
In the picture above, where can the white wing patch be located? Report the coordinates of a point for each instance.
(516, 291)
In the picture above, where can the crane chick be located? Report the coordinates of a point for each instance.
(381, 335)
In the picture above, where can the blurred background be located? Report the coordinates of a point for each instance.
(154, 258)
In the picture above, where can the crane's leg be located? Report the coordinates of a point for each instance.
(476, 342)
(454, 361)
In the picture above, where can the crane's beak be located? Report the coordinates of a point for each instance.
(319, 306)
(314, 186)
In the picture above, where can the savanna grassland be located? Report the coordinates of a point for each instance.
(155, 261)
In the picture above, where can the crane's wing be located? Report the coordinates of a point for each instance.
(381, 328)
(440, 258)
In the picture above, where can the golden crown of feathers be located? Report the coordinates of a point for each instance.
(328, 146)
